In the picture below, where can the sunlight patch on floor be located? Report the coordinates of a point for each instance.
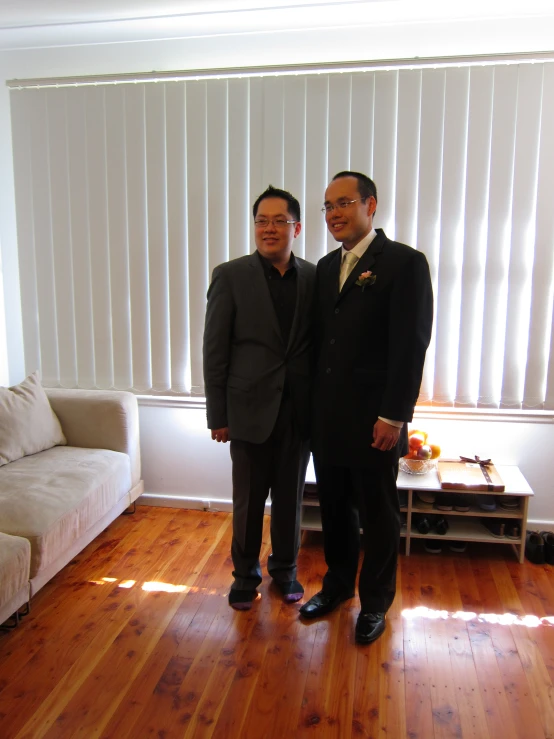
(503, 619)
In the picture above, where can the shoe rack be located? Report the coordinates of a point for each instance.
(464, 526)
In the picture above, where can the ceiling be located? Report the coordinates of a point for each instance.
(25, 13)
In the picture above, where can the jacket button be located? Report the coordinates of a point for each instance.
(328, 370)
(332, 341)
(337, 310)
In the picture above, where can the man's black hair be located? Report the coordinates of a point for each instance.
(366, 186)
(293, 206)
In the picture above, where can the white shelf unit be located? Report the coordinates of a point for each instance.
(463, 526)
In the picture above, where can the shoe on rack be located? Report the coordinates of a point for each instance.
(441, 525)
(426, 497)
(486, 502)
(422, 522)
(512, 529)
(423, 504)
(457, 546)
(432, 546)
(548, 538)
(444, 502)
(534, 548)
(462, 502)
(508, 502)
(494, 526)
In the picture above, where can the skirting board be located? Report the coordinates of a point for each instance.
(199, 504)
(174, 501)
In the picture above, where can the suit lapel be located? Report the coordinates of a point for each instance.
(301, 286)
(260, 289)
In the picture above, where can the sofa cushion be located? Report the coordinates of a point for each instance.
(15, 557)
(27, 422)
(54, 497)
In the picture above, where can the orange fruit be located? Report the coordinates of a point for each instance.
(435, 451)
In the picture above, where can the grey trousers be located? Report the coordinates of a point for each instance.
(277, 468)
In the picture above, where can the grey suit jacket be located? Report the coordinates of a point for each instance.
(245, 358)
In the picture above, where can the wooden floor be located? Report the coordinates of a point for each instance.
(135, 639)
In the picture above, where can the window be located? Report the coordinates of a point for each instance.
(129, 194)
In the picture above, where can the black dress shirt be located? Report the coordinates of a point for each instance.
(282, 289)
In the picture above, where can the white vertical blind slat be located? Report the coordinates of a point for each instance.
(384, 148)
(317, 100)
(156, 189)
(61, 238)
(498, 247)
(177, 238)
(118, 236)
(136, 174)
(294, 143)
(539, 380)
(475, 234)
(99, 244)
(362, 123)
(448, 302)
(407, 158)
(239, 167)
(529, 103)
(23, 111)
(429, 198)
(197, 226)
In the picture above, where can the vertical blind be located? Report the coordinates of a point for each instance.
(128, 195)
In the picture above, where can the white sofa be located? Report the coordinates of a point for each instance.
(55, 501)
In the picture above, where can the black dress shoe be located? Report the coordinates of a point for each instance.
(322, 603)
(534, 548)
(369, 627)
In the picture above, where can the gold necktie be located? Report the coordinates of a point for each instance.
(348, 262)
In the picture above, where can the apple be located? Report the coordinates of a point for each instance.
(424, 452)
(416, 440)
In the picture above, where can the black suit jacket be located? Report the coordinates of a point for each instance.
(371, 345)
(245, 358)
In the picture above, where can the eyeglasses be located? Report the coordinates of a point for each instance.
(329, 208)
(277, 222)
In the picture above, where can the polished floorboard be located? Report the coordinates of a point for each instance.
(135, 638)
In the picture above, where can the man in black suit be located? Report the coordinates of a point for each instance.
(374, 312)
(257, 373)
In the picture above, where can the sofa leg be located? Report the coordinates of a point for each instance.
(11, 623)
(129, 511)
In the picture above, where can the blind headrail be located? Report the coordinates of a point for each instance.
(238, 72)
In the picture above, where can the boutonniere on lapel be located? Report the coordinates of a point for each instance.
(366, 279)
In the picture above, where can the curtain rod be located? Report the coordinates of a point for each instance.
(269, 71)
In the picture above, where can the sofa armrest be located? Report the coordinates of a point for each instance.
(98, 419)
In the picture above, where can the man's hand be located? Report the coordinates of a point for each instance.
(385, 436)
(221, 434)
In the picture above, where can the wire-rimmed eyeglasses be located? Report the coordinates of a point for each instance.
(277, 222)
(330, 207)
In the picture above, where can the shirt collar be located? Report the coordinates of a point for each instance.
(361, 247)
(268, 266)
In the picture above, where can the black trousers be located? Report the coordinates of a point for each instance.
(350, 497)
(276, 467)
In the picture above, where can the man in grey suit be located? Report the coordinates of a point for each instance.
(257, 374)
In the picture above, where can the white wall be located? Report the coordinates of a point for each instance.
(179, 458)
(180, 461)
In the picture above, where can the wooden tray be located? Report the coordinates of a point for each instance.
(469, 475)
